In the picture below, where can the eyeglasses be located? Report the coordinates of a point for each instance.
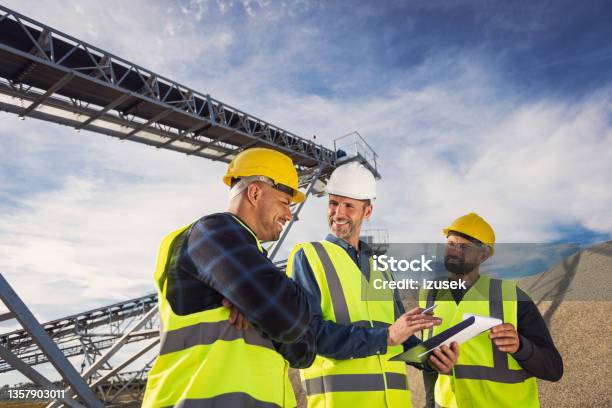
(280, 187)
(463, 246)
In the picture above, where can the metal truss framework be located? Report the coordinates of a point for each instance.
(52, 76)
(19, 311)
(87, 334)
(76, 335)
(113, 383)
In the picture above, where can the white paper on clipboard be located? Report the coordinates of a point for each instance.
(471, 326)
(481, 323)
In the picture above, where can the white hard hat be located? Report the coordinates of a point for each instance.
(352, 180)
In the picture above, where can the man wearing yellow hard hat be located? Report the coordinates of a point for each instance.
(356, 334)
(207, 358)
(497, 368)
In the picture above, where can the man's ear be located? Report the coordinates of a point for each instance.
(368, 211)
(484, 254)
(254, 193)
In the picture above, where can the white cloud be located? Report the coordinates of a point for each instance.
(537, 167)
(460, 144)
(167, 40)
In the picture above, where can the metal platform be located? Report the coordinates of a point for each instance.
(353, 147)
(377, 240)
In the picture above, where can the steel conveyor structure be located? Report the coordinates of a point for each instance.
(85, 332)
(90, 334)
(51, 76)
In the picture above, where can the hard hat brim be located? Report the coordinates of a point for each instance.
(227, 180)
(351, 196)
(446, 230)
(298, 197)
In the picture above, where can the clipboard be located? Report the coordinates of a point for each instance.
(471, 326)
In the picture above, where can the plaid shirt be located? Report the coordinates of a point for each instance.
(219, 258)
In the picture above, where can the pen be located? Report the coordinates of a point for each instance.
(429, 309)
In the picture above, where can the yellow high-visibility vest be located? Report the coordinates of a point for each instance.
(205, 362)
(483, 376)
(347, 298)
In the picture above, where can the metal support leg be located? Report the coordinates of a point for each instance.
(46, 344)
(109, 353)
(90, 353)
(277, 244)
(99, 382)
(127, 362)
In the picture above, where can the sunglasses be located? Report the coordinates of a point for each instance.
(277, 186)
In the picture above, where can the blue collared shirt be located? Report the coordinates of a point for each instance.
(339, 341)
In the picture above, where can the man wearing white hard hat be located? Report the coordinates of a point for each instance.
(355, 336)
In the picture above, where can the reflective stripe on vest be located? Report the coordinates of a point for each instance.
(500, 371)
(335, 287)
(337, 298)
(369, 381)
(234, 399)
(207, 333)
(204, 361)
(354, 383)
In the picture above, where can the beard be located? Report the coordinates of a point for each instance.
(344, 231)
(458, 265)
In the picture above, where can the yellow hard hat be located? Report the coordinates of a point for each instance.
(259, 161)
(473, 226)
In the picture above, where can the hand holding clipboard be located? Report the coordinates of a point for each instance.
(471, 326)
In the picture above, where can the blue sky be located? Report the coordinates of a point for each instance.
(503, 108)
(548, 47)
(553, 48)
